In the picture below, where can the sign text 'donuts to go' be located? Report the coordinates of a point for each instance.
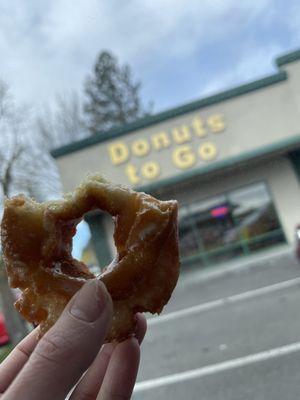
(177, 143)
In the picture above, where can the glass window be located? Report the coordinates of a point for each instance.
(187, 236)
(227, 226)
(249, 205)
(255, 216)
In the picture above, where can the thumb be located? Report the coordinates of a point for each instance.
(67, 350)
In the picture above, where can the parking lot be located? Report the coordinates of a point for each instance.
(230, 332)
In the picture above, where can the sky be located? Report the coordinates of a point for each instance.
(179, 50)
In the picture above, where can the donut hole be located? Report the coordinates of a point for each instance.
(93, 243)
(81, 240)
(103, 240)
(108, 228)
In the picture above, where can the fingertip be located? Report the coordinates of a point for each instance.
(134, 350)
(122, 370)
(130, 347)
(104, 289)
(91, 302)
(141, 327)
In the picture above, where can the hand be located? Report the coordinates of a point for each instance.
(50, 368)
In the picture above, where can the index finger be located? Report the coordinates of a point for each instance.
(68, 348)
(90, 384)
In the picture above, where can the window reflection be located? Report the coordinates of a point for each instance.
(227, 226)
(187, 237)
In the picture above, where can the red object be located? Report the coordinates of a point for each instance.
(219, 211)
(4, 338)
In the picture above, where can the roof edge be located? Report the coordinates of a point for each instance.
(174, 112)
(288, 58)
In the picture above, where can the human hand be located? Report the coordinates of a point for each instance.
(50, 368)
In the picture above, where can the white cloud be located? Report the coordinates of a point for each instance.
(293, 21)
(50, 47)
(254, 64)
(258, 60)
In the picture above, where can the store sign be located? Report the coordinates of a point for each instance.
(177, 139)
(219, 212)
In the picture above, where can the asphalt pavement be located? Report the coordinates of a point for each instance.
(229, 332)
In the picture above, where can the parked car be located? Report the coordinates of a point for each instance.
(4, 338)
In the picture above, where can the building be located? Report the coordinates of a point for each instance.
(232, 160)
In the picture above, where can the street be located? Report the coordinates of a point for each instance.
(232, 332)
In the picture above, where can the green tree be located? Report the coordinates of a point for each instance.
(113, 98)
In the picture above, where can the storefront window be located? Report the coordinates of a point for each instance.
(223, 227)
(255, 216)
(187, 236)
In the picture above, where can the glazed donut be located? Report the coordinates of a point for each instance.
(37, 245)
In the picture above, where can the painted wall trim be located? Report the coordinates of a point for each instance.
(280, 146)
(175, 112)
(288, 58)
(294, 157)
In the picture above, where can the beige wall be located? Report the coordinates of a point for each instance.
(277, 173)
(252, 121)
(293, 70)
(286, 195)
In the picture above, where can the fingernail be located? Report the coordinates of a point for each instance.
(89, 303)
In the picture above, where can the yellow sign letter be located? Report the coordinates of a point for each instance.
(140, 147)
(118, 152)
(198, 126)
(150, 170)
(160, 140)
(183, 157)
(208, 151)
(216, 123)
(181, 135)
(131, 172)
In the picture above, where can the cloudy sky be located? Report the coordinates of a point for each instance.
(180, 50)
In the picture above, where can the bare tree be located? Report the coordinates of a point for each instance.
(24, 168)
(9, 155)
(5, 99)
(62, 123)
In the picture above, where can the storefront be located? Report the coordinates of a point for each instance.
(232, 160)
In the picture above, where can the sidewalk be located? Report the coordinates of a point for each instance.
(234, 266)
